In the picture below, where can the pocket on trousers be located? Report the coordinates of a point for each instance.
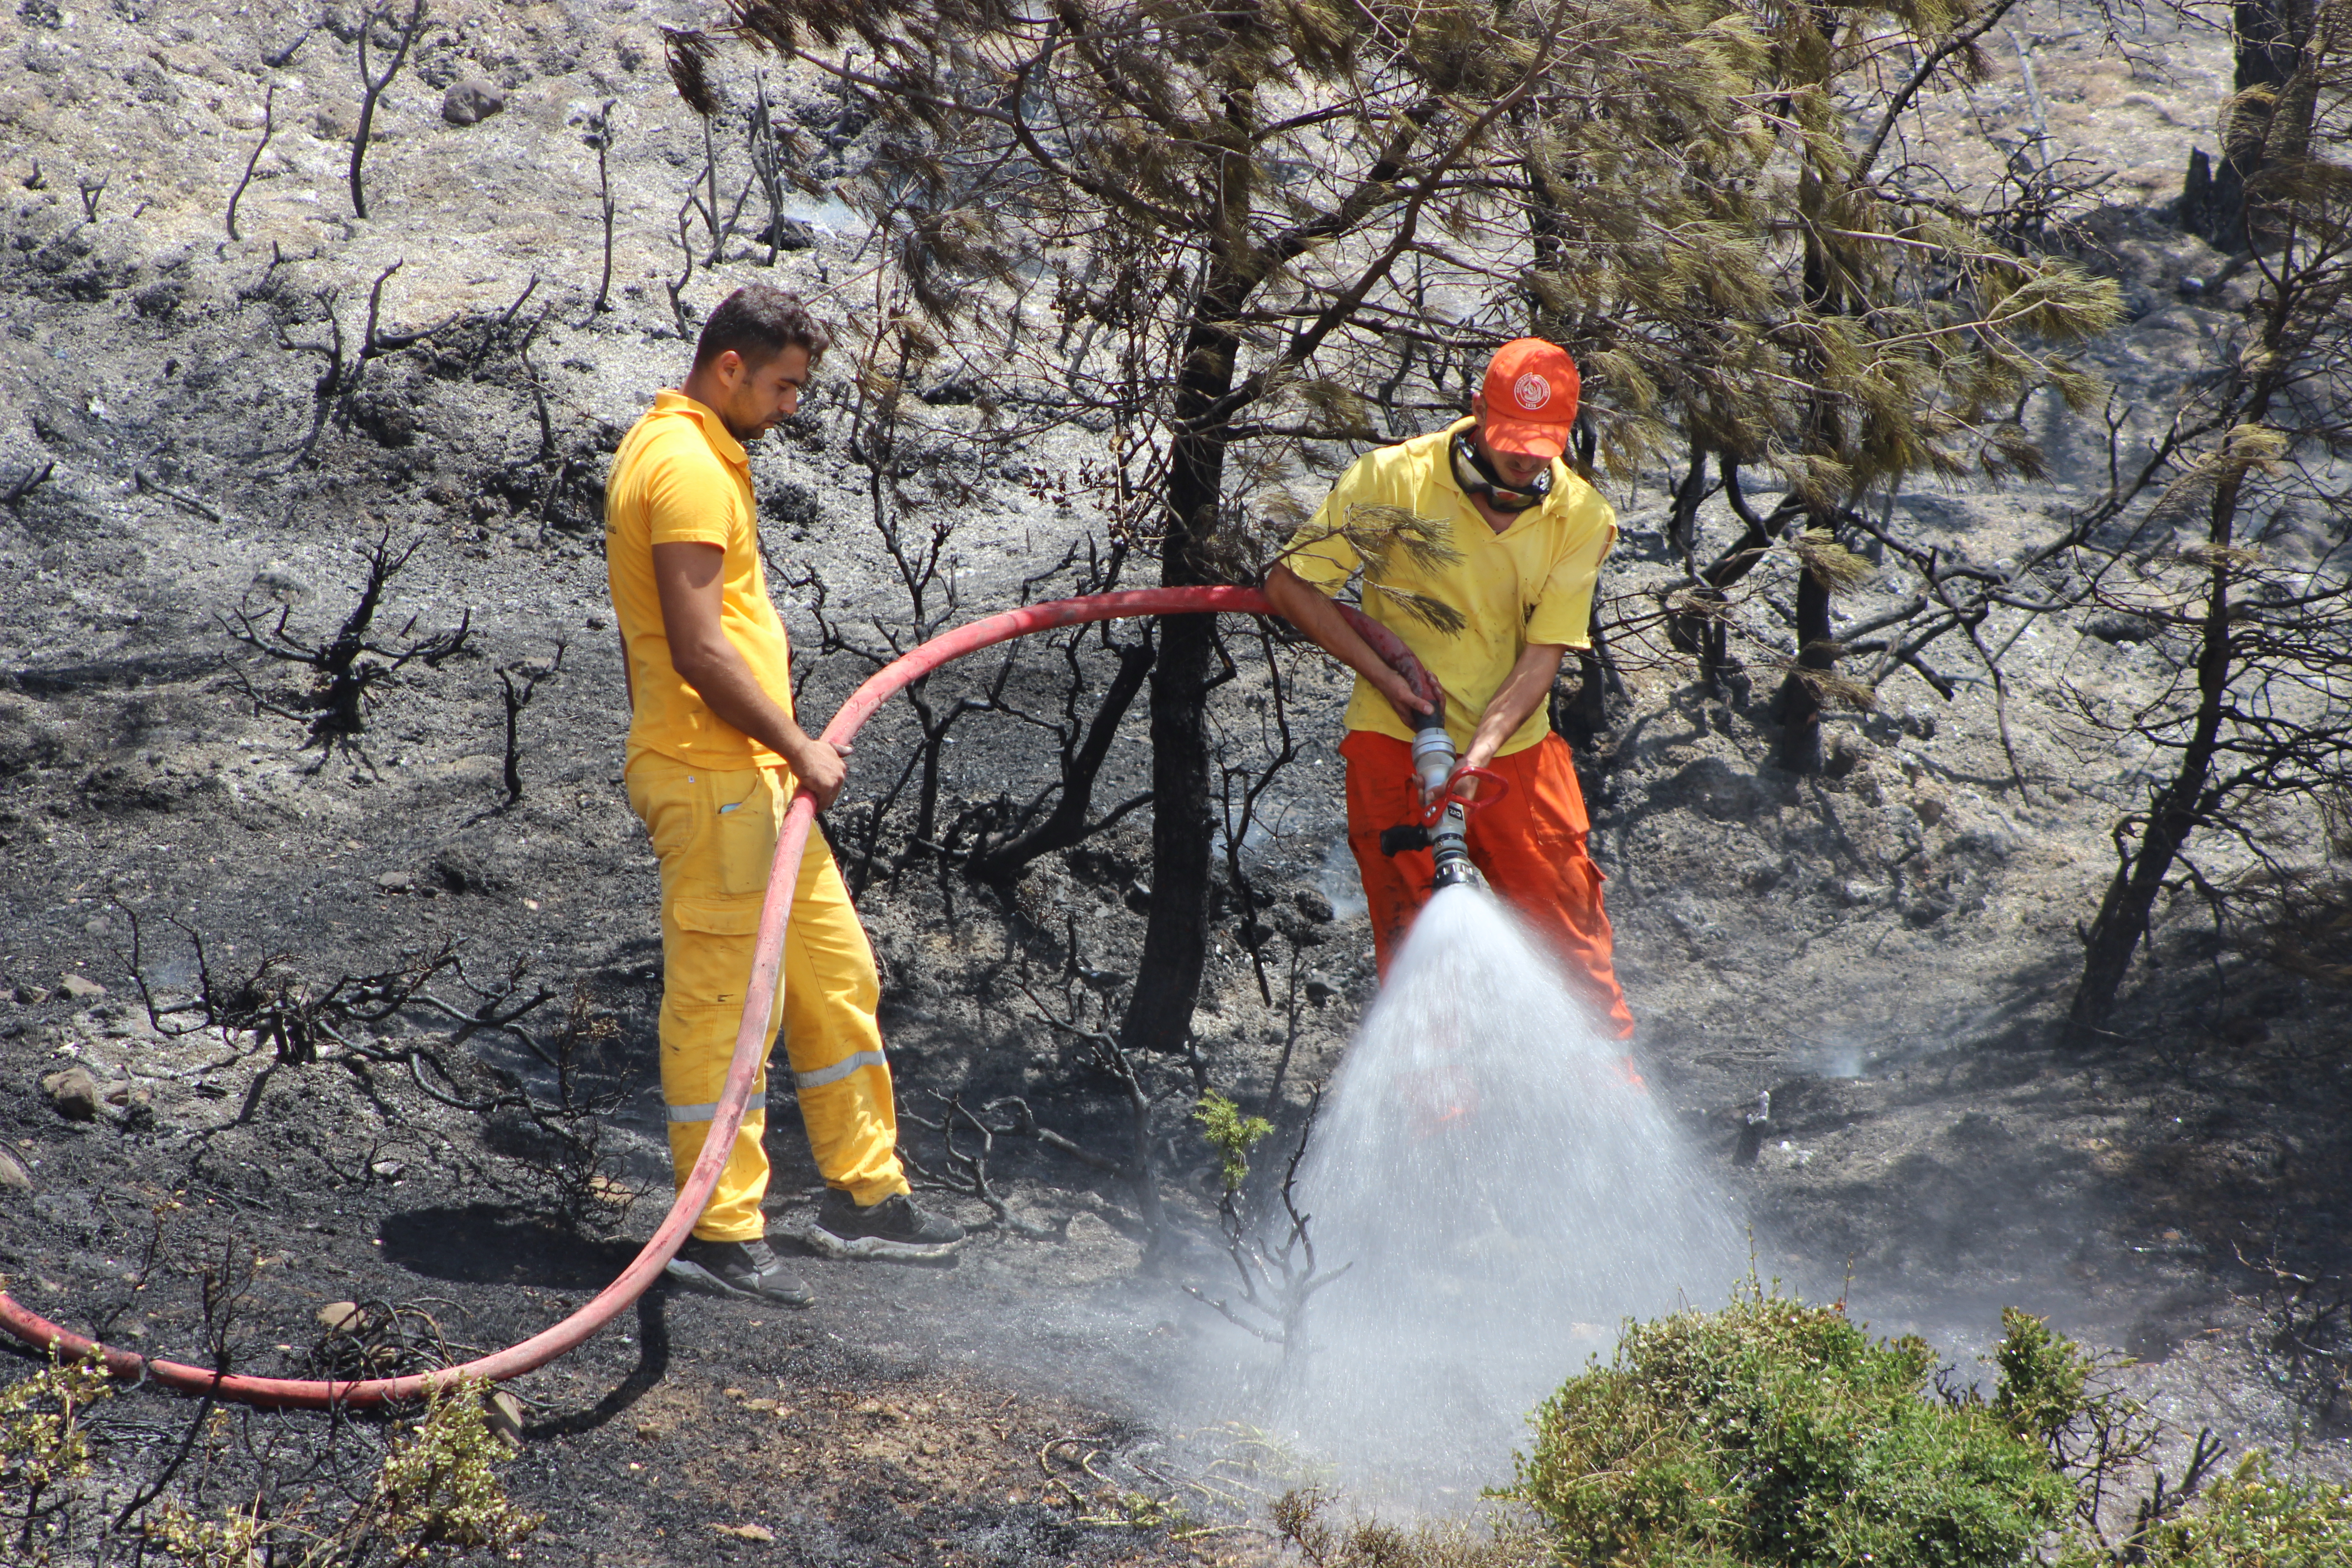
(743, 839)
(710, 963)
(720, 917)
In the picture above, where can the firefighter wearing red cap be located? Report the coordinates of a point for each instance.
(1525, 541)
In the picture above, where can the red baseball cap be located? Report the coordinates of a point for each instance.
(1531, 398)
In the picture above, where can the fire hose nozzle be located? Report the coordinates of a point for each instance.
(1432, 758)
(1443, 831)
(1449, 844)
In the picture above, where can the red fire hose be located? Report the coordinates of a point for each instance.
(751, 1039)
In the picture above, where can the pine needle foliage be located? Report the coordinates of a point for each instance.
(1378, 534)
(1231, 1135)
(1739, 280)
(1238, 242)
(1386, 538)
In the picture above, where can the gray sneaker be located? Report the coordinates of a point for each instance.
(738, 1269)
(896, 1218)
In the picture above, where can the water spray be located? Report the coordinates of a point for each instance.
(1501, 1192)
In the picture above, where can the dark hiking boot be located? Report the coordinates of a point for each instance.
(738, 1269)
(895, 1221)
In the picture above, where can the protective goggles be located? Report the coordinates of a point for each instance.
(1478, 478)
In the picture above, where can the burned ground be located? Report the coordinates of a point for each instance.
(1884, 950)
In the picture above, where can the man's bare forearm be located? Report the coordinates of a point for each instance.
(729, 689)
(1298, 602)
(1523, 691)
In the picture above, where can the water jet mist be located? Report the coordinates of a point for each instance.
(1502, 1190)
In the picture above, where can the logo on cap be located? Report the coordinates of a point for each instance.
(1532, 391)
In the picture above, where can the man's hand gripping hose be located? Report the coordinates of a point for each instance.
(1444, 821)
(761, 996)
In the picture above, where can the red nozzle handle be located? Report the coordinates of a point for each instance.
(1493, 786)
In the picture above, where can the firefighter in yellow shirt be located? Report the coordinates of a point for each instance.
(714, 756)
(1522, 542)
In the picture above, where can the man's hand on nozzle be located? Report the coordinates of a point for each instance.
(1474, 761)
(1399, 691)
(821, 768)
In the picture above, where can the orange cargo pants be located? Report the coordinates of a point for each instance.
(1529, 843)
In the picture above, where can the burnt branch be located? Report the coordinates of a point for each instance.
(602, 137)
(1108, 1057)
(1242, 788)
(372, 87)
(151, 487)
(967, 1172)
(417, 1016)
(25, 483)
(678, 289)
(1272, 1255)
(517, 684)
(348, 667)
(268, 129)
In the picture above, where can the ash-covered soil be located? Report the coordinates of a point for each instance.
(1883, 949)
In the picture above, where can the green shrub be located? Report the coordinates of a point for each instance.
(1773, 1432)
(437, 1497)
(44, 1446)
(2253, 1520)
(42, 1441)
(439, 1485)
(2044, 1380)
(1777, 1434)
(1231, 1134)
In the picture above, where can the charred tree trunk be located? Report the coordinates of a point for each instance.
(927, 790)
(1581, 716)
(2123, 916)
(1175, 941)
(1549, 237)
(2270, 35)
(1801, 701)
(1699, 632)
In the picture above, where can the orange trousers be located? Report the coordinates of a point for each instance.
(1529, 843)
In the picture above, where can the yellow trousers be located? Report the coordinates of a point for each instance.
(716, 834)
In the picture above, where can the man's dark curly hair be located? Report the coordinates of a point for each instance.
(758, 322)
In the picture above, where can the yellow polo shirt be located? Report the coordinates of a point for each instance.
(680, 478)
(1532, 583)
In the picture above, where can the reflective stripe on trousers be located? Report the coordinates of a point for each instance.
(709, 1112)
(838, 1070)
